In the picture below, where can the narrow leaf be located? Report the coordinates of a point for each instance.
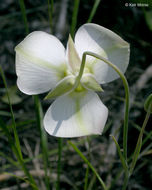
(93, 11)
(123, 162)
(148, 104)
(89, 164)
(43, 137)
(139, 144)
(74, 17)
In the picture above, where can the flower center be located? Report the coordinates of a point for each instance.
(79, 88)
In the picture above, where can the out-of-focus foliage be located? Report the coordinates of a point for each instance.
(14, 98)
(148, 17)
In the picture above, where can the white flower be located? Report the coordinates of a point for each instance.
(42, 64)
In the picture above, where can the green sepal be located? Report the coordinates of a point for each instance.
(90, 83)
(64, 86)
(148, 104)
(73, 57)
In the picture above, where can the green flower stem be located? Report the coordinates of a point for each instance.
(93, 11)
(89, 164)
(74, 17)
(50, 12)
(125, 83)
(59, 163)
(43, 137)
(23, 10)
(16, 146)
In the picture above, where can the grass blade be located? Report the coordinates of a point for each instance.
(74, 17)
(93, 11)
(16, 147)
(122, 159)
(86, 178)
(87, 170)
(23, 10)
(89, 164)
(9, 159)
(43, 137)
(123, 162)
(59, 163)
(139, 143)
(12, 116)
(148, 134)
(50, 12)
(50, 153)
(21, 178)
(92, 182)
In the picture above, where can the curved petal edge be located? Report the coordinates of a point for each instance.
(76, 115)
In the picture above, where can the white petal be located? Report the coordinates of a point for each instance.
(76, 114)
(40, 62)
(44, 46)
(32, 78)
(97, 39)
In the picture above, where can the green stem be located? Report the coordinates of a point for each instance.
(23, 10)
(59, 163)
(43, 137)
(50, 12)
(89, 164)
(125, 183)
(126, 87)
(74, 17)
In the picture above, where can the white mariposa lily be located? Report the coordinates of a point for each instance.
(42, 64)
